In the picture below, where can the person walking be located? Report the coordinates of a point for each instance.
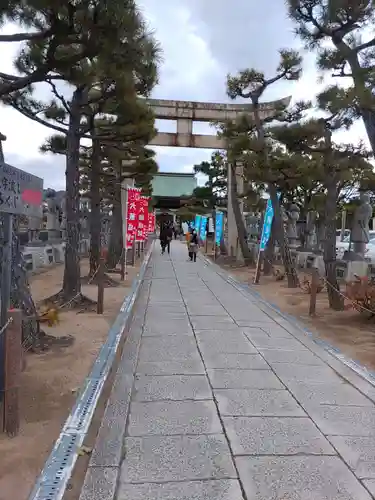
(166, 236)
(193, 246)
(187, 237)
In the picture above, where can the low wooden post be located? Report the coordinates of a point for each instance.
(100, 302)
(123, 265)
(13, 368)
(314, 291)
(133, 254)
(258, 267)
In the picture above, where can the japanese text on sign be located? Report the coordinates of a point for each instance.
(151, 222)
(21, 193)
(142, 219)
(132, 214)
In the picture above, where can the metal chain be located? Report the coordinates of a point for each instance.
(327, 283)
(2, 330)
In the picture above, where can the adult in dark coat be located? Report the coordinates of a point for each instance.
(166, 235)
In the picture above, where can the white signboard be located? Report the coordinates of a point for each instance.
(21, 193)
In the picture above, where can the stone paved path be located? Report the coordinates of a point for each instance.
(228, 404)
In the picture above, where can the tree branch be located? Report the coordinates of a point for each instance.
(24, 37)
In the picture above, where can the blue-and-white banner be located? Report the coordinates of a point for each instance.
(219, 222)
(202, 232)
(267, 224)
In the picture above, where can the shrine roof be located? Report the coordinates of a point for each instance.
(173, 184)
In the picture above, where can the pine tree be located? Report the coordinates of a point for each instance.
(250, 133)
(336, 166)
(338, 31)
(123, 55)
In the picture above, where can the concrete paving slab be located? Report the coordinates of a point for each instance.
(344, 420)
(254, 403)
(100, 483)
(244, 379)
(264, 325)
(173, 418)
(291, 357)
(358, 453)
(338, 394)
(221, 344)
(174, 387)
(319, 374)
(184, 367)
(370, 485)
(266, 342)
(274, 330)
(176, 458)
(167, 327)
(253, 321)
(275, 436)
(234, 361)
(299, 478)
(165, 308)
(213, 323)
(222, 332)
(211, 310)
(168, 347)
(223, 489)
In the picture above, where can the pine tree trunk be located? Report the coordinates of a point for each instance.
(95, 215)
(368, 117)
(115, 239)
(290, 269)
(72, 272)
(329, 253)
(241, 230)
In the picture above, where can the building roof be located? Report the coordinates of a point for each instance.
(173, 184)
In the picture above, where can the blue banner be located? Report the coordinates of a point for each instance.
(219, 222)
(267, 224)
(202, 231)
(197, 223)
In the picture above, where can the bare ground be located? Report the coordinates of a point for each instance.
(51, 380)
(348, 330)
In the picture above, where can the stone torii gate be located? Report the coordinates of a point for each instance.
(187, 112)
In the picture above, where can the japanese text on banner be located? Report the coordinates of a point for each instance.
(219, 219)
(151, 222)
(267, 225)
(143, 219)
(140, 233)
(203, 228)
(132, 212)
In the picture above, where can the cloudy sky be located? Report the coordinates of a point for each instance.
(202, 41)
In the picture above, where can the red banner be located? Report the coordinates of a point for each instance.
(142, 219)
(151, 222)
(132, 215)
